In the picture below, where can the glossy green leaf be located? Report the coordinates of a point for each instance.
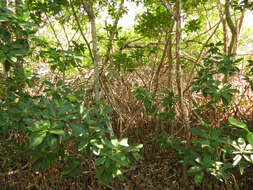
(250, 137)
(37, 140)
(199, 132)
(59, 83)
(34, 125)
(119, 174)
(52, 141)
(4, 35)
(137, 156)
(28, 24)
(13, 59)
(59, 132)
(120, 159)
(108, 143)
(194, 169)
(72, 98)
(199, 177)
(236, 123)
(77, 128)
(107, 111)
(21, 52)
(3, 19)
(100, 161)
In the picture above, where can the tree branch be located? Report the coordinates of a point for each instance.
(80, 28)
(232, 27)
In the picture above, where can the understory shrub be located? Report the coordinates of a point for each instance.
(57, 127)
(212, 150)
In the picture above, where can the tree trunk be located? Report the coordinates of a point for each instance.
(4, 4)
(235, 31)
(89, 9)
(239, 27)
(179, 83)
(179, 69)
(234, 28)
(224, 27)
(170, 58)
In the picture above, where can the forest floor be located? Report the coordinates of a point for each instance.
(159, 170)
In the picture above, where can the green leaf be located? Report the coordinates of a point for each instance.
(107, 111)
(242, 168)
(194, 169)
(108, 143)
(207, 160)
(13, 59)
(226, 98)
(52, 141)
(33, 125)
(28, 24)
(119, 174)
(199, 132)
(104, 175)
(59, 83)
(51, 108)
(72, 98)
(21, 52)
(138, 147)
(4, 35)
(236, 123)
(137, 156)
(45, 164)
(3, 19)
(250, 137)
(120, 159)
(59, 132)
(77, 128)
(198, 177)
(100, 172)
(37, 140)
(109, 163)
(100, 161)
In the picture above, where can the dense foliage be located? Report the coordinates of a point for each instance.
(75, 86)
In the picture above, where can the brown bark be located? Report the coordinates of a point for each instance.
(224, 27)
(235, 31)
(234, 28)
(170, 10)
(156, 77)
(239, 27)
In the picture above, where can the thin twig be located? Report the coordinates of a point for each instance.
(81, 31)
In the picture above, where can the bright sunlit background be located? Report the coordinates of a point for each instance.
(248, 20)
